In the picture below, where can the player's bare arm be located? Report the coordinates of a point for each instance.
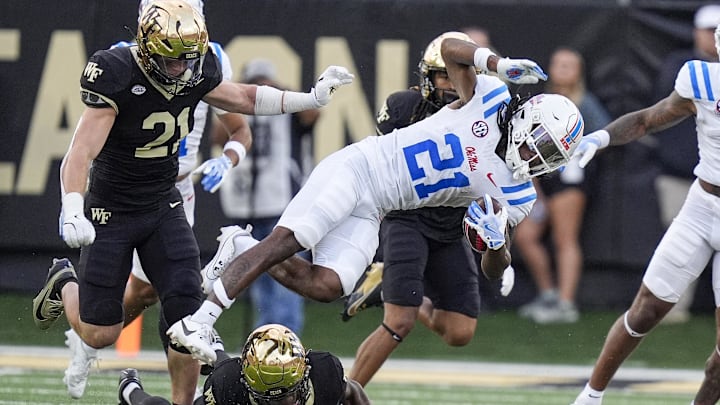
(664, 114)
(234, 97)
(239, 131)
(494, 262)
(90, 135)
(458, 56)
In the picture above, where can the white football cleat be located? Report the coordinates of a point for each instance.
(83, 356)
(233, 240)
(197, 337)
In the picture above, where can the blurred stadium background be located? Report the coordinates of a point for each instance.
(46, 45)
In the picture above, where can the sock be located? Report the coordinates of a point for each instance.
(590, 396)
(208, 313)
(89, 350)
(129, 389)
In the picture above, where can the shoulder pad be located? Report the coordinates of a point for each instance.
(108, 72)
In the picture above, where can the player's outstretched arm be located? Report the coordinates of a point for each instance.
(631, 126)
(266, 100)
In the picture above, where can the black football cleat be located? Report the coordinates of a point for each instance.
(48, 305)
(367, 292)
(127, 376)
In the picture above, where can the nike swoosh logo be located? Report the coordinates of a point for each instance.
(175, 204)
(489, 176)
(594, 396)
(186, 331)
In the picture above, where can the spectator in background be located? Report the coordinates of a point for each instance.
(257, 193)
(678, 152)
(560, 207)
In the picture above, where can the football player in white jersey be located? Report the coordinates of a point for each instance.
(448, 159)
(691, 240)
(139, 293)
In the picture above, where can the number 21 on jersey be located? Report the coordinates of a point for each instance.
(457, 179)
(156, 147)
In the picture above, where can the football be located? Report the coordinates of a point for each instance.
(471, 235)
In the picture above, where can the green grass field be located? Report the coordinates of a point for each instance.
(500, 337)
(43, 387)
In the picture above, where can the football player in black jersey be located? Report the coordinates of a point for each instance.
(139, 106)
(428, 271)
(273, 369)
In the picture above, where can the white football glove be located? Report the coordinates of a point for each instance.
(520, 71)
(215, 171)
(332, 78)
(589, 145)
(489, 225)
(508, 281)
(75, 229)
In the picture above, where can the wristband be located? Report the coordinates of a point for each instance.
(604, 137)
(481, 57)
(221, 294)
(238, 148)
(73, 204)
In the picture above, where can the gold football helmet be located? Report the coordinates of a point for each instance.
(275, 369)
(432, 61)
(172, 42)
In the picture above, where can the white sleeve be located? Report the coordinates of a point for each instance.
(689, 82)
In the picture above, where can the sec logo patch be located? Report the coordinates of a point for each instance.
(138, 89)
(480, 129)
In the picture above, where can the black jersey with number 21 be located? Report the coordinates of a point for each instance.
(139, 161)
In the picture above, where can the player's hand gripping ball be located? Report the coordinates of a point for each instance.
(477, 243)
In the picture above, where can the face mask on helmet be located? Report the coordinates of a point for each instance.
(432, 62)
(172, 42)
(543, 133)
(275, 369)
